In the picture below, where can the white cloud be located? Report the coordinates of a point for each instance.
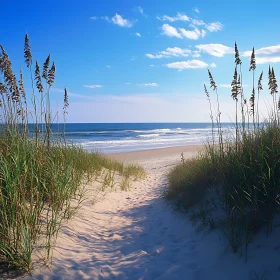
(218, 50)
(198, 22)
(154, 55)
(213, 65)
(196, 10)
(133, 57)
(196, 54)
(138, 34)
(119, 20)
(191, 34)
(141, 11)
(178, 17)
(214, 26)
(170, 31)
(189, 64)
(93, 86)
(266, 55)
(108, 66)
(169, 52)
(148, 85)
(152, 65)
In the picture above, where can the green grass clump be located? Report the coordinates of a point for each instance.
(235, 183)
(40, 175)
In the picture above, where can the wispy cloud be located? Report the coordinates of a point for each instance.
(213, 65)
(119, 20)
(93, 86)
(116, 19)
(196, 10)
(178, 17)
(214, 26)
(140, 10)
(169, 52)
(127, 83)
(192, 34)
(211, 27)
(170, 31)
(269, 54)
(189, 64)
(197, 22)
(138, 34)
(148, 85)
(196, 54)
(108, 66)
(218, 50)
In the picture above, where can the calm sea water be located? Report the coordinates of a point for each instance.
(123, 137)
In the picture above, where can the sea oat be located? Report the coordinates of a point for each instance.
(46, 67)
(237, 57)
(38, 78)
(27, 51)
(51, 75)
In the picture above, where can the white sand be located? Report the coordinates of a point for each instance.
(135, 235)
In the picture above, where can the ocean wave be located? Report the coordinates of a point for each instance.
(148, 135)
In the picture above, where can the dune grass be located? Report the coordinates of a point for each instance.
(234, 183)
(40, 174)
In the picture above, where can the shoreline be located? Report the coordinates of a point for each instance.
(156, 153)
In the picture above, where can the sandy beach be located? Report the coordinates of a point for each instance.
(136, 235)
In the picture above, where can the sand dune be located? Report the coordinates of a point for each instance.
(135, 235)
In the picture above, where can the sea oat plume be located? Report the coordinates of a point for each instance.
(269, 78)
(38, 78)
(27, 51)
(66, 102)
(51, 75)
(237, 57)
(252, 102)
(274, 81)
(253, 61)
(260, 82)
(234, 86)
(212, 82)
(46, 67)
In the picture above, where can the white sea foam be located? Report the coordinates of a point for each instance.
(148, 135)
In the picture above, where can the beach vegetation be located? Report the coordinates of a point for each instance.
(234, 183)
(42, 177)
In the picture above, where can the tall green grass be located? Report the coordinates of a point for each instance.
(234, 183)
(40, 175)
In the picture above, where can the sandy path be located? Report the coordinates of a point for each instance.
(126, 235)
(135, 235)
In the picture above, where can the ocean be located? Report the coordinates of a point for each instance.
(126, 137)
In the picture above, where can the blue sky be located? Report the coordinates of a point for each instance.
(143, 61)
